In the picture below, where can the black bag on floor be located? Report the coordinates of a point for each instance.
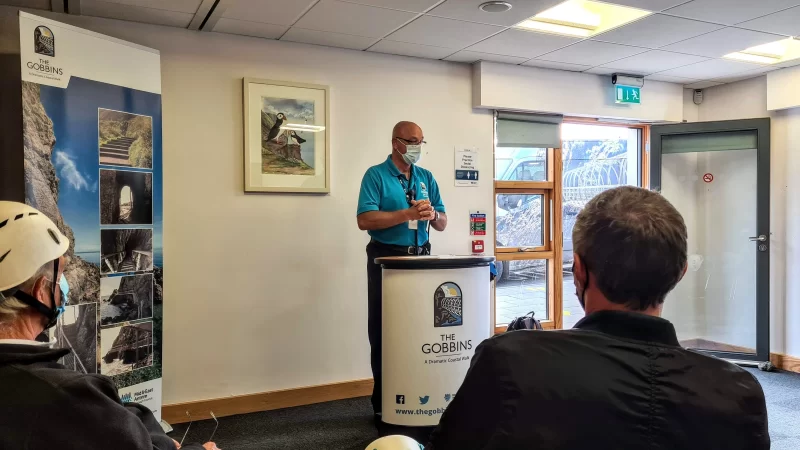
(526, 322)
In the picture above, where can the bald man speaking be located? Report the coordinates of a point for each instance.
(397, 203)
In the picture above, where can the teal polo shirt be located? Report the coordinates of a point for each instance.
(384, 189)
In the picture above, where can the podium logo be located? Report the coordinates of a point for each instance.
(44, 43)
(447, 306)
(400, 399)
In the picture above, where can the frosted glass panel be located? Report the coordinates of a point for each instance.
(714, 306)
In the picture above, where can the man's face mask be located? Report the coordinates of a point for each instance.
(581, 294)
(413, 153)
(64, 286)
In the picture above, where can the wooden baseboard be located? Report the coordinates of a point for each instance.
(781, 361)
(265, 401)
(785, 362)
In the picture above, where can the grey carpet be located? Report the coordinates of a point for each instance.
(347, 424)
(782, 390)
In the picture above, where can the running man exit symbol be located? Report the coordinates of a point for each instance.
(628, 94)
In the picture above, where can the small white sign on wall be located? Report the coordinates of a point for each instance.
(466, 167)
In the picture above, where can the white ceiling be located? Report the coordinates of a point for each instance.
(683, 42)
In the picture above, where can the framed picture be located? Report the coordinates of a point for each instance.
(286, 137)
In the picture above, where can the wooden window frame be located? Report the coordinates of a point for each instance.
(553, 237)
(550, 191)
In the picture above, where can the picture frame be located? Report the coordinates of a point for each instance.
(286, 137)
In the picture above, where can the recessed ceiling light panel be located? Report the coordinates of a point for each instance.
(582, 18)
(771, 53)
(495, 7)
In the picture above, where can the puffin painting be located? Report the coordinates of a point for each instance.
(276, 127)
(297, 138)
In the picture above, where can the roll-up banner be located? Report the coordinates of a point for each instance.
(92, 142)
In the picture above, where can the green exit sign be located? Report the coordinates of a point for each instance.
(628, 94)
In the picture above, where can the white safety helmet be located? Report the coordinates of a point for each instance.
(28, 240)
(395, 443)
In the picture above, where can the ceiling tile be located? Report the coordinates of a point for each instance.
(654, 61)
(592, 53)
(702, 84)
(657, 31)
(109, 10)
(729, 12)
(404, 5)
(449, 33)
(349, 18)
(408, 49)
(650, 5)
(601, 71)
(721, 42)
(785, 22)
(556, 65)
(247, 28)
(522, 43)
(470, 57)
(187, 6)
(669, 79)
(746, 75)
(468, 10)
(328, 39)
(713, 68)
(278, 12)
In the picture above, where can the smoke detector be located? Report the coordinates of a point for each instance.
(495, 7)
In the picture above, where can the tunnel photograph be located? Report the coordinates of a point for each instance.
(126, 198)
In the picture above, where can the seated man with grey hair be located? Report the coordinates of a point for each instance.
(619, 379)
(44, 405)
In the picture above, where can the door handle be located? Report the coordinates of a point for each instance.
(760, 238)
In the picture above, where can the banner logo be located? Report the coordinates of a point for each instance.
(44, 43)
(447, 306)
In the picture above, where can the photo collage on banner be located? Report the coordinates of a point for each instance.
(93, 165)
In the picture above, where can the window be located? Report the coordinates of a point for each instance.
(545, 172)
(595, 158)
(525, 159)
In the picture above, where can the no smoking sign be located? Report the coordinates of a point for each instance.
(708, 178)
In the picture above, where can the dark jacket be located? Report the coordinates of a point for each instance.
(44, 405)
(618, 381)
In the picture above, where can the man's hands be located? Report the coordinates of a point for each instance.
(421, 210)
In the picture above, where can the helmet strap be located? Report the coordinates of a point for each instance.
(50, 313)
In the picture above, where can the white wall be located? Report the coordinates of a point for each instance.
(783, 91)
(522, 88)
(267, 292)
(743, 100)
(690, 110)
(748, 99)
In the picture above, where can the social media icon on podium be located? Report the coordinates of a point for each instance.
(424, 400)
(400, 399)
(447, 397)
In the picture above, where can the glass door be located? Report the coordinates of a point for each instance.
(717, 175)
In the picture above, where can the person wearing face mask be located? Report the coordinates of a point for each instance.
(397, 204)
(44, 405)
(620, 379)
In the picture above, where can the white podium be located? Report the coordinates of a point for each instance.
(436, 310)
